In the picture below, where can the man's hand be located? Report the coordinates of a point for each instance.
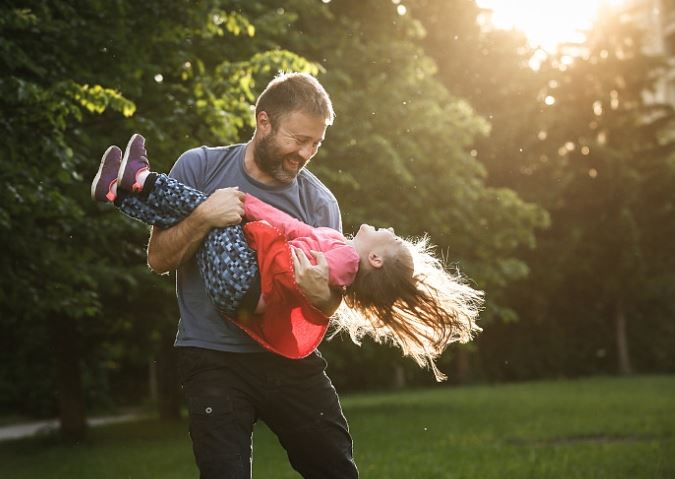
(313, 280)
(225, 207)
(171, 247)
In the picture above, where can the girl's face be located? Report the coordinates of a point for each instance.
(380, 242)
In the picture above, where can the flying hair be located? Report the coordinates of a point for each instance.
(419, 309)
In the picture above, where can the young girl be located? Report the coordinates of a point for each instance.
(395, 290)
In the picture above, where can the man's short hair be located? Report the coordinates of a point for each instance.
(291, 92)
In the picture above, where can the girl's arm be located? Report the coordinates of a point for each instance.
(255, 209)
(343, 263)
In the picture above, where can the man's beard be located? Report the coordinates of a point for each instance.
(270, 160)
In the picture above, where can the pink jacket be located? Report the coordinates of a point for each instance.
(290, 326)
(343, 261)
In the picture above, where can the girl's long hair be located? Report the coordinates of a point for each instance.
(420, 311)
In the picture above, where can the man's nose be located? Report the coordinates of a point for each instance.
(307, 151)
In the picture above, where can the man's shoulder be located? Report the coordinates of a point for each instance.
(321, 204)
(207, 154)
(197, 167)
(314, 188)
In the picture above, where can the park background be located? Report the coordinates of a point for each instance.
(546, 176)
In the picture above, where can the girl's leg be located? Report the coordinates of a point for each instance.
(229, 268)
(227, 264)
(163, 202)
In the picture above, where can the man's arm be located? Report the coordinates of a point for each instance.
(332, 304)
(313, 281)
(171, 247)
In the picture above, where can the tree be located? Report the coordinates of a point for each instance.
(174, 71)
(608, 178)
(399, 153)
(603, 177)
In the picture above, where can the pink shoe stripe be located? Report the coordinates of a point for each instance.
(137, 186)
(110, 195)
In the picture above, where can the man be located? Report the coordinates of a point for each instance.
(228, 379)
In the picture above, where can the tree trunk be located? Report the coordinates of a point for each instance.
(169, 400)
(70, 390)
(623, 355)
(399, 376)
(153, 390)
(463, 366)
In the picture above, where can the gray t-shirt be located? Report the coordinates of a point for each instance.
(208, 169)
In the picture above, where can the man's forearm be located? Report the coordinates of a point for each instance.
(171, 247)
(332, 304)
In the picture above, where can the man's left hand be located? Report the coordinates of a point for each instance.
(313, 279)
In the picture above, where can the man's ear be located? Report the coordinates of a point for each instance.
(375, 260)
(263, 122)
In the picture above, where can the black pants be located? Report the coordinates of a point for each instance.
(227, 392)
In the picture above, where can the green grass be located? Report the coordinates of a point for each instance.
(591, 428)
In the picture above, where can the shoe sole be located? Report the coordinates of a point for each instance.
(125, 158)
(97, 178)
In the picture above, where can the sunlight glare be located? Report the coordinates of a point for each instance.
(546, 23)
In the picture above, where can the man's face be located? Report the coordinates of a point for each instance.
(283, 152)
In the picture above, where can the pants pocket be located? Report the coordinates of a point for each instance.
(221, 443)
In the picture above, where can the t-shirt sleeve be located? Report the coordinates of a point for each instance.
(189, 168)
(328, 214)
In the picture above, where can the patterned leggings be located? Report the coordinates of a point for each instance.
(227, 265)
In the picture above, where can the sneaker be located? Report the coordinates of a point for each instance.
(135, 160)
(102, 186)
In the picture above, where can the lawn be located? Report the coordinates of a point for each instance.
(590, 428)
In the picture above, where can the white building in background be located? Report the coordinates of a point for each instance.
(658, 19)
(668, 35)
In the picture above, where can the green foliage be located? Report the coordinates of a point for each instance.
(602, 171)
(399, 154)
(400, 151)
(441, 128)
(78, 76)
(86, 74)
(97, 99)
(598, 159)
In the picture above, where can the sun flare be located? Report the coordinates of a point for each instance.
(546, 23)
